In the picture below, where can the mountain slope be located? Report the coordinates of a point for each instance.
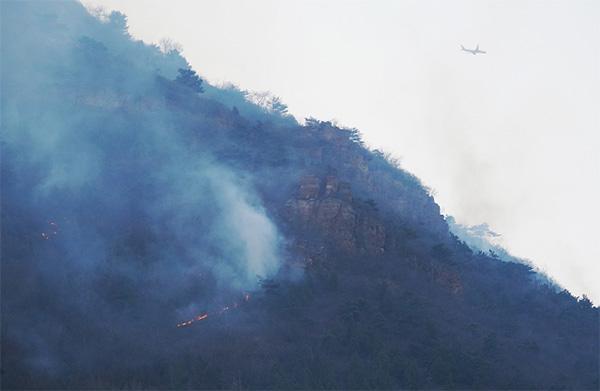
(133, 203)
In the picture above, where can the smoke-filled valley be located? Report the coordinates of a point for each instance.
(160, 232)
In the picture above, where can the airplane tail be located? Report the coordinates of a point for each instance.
(462, 47)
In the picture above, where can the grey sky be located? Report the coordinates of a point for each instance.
(510, 138)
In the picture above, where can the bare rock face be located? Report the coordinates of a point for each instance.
(331, 185)
(309, 188)
(325, 205)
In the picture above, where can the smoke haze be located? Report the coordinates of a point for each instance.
(507, 138)
(111, 221)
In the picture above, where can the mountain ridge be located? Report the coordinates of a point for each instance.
(132, 202)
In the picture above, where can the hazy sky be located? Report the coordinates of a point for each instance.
(510, 138)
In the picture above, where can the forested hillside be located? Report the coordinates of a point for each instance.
(160, 232)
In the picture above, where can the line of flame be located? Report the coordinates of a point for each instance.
(204, 315)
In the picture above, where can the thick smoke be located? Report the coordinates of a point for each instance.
(115, 226)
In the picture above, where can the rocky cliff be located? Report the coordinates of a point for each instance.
(326, 205)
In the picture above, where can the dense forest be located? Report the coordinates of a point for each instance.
(161, 232)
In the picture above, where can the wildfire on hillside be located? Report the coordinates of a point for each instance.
(204, 315)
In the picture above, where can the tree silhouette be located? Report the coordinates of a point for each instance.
(190, 79)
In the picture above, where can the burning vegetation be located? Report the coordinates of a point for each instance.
(221, 311)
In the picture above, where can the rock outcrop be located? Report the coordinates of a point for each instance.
(326, 206)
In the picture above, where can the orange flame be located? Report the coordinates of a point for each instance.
(204, 315)
(197, 318)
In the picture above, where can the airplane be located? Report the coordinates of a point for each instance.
(473, 51)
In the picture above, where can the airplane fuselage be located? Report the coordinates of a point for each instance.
(473, 51)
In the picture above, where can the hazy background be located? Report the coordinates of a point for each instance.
(509, 138)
